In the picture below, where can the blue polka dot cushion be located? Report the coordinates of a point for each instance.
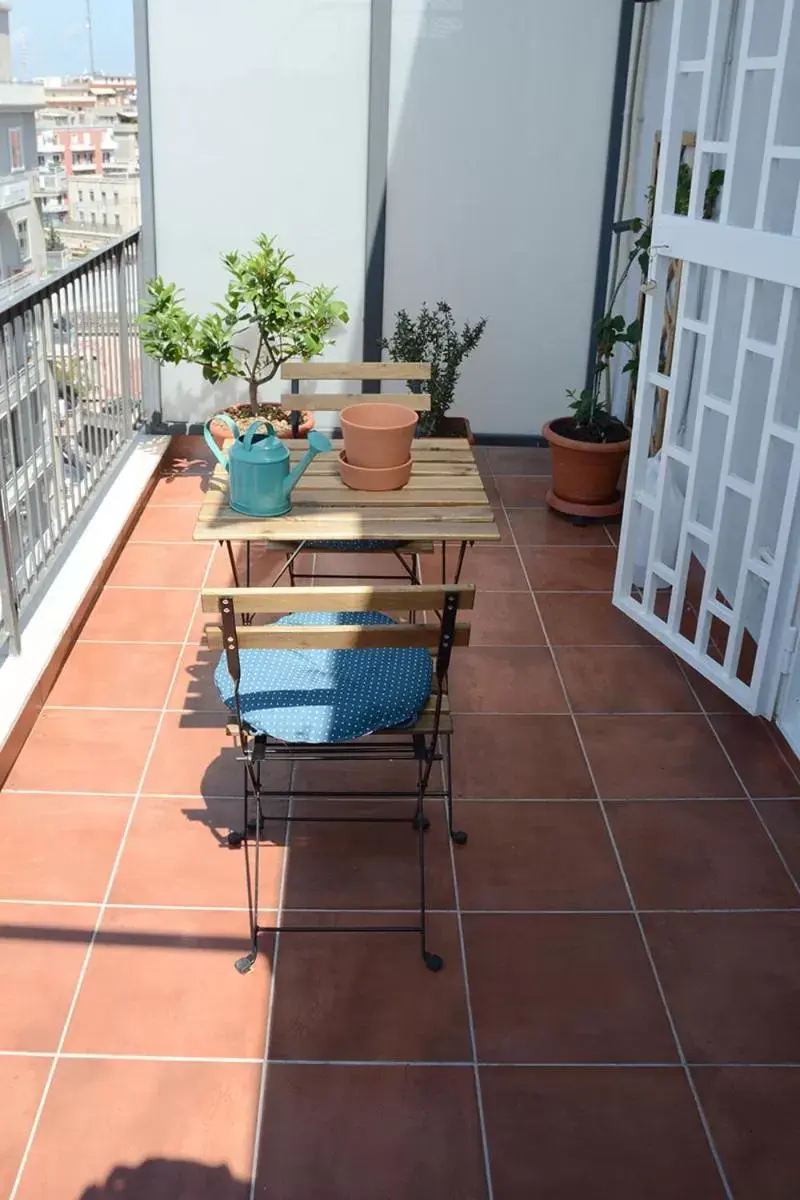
(329, 695)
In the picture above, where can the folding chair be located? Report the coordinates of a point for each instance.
(406, 553)
(314, 685)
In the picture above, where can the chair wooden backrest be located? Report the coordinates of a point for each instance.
(335, 401)
(445, 600)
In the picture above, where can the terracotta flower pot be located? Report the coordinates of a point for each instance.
(585, 474)
(377, 435)
(374, 479)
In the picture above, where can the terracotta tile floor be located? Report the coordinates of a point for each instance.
(618, 1013)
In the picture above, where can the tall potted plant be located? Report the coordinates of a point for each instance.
(589, 447)
(432, 337)
(264, 303)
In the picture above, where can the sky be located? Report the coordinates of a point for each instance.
(49, 37)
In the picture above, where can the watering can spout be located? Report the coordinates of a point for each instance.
(317, 443)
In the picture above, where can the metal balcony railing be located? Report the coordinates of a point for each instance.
(70, 401)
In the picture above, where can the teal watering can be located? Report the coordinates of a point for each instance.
(258, 466)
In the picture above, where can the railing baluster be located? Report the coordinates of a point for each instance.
(9, 607)
(46, 346)
(17, 455)
(35, 458)
(124, 339)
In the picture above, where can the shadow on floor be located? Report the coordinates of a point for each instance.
(169, 1179)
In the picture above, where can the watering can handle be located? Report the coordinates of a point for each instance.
(255, 427)
(207, 434)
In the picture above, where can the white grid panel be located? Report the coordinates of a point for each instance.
(709, 555)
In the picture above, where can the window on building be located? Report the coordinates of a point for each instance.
(15, 149)
(103, 197)
(105, 218)
(80, 194)
(118, 220)
(79, 214)
(116, 197)
(91, 196)
(106, 156)
(92, 218)
(42, 160)
(24, 240)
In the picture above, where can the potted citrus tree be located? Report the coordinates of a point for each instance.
(589, 447)
(265, 318)
(432, 336)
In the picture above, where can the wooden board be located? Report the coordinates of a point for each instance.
(352, 598)
(444, 501)
(336, 401)
(334, 637)
(355, 370)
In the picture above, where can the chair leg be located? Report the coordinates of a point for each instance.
(432, 961)
(457, 835)
(248, 961)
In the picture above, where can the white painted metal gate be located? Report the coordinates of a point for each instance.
(709, 550)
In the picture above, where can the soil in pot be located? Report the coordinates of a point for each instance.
(586, 471)
(377, 434)
(277, 416)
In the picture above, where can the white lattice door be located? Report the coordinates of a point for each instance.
(709, 557)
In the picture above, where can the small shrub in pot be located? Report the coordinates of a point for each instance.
(432, 336)
(263, 299)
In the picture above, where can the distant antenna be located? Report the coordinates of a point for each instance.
(90, 36)
(23, 53)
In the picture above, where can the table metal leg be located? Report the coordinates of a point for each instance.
(232, 560)
(462, 551)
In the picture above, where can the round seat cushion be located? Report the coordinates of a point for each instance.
(317, 696)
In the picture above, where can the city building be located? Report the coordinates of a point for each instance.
(21, 234)
(108, 203)
(88, 92)
(88, 158)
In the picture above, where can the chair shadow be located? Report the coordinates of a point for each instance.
(169, 1179)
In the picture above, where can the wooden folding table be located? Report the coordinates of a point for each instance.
(444, 501)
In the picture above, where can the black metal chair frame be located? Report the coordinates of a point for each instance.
(259, 750)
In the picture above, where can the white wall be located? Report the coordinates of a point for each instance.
(499, 134)
(499, 126)
(259, 124)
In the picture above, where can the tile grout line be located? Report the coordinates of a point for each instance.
(770, 730)
(228, 798)
(262, 1087)
(634, 910)
(92, 1056)
(102, 909)
(487, 1158)
(461, 1064)
(754, 807)
(494, 912)
(456, 712)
